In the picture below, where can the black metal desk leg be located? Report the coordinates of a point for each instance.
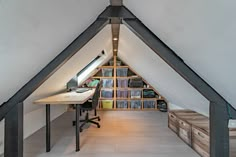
(95, 112)
(77, 130)
(48, 145)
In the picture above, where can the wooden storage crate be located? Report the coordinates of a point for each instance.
(193, 128)
(172, 119)
(172, 122)
(232, 133)
(180, 114)
(200, 139)
(184, 131)
(185, 126)
(232, 147)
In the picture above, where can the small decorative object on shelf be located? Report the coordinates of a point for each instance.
(161, 104)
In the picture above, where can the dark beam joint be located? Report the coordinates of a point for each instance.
(115, 20)
(231, 112)
(116, 12)
(116, 2)
(14, 132)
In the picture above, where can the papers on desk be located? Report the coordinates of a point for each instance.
(67, 98)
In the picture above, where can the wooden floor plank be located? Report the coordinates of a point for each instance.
(122, 133)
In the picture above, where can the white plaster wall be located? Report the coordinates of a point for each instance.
(33, 32)
(155, 71)
(34, 117)
(57, 82)
(174, 107)
(201, 32)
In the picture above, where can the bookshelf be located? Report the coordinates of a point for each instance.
(116, 92)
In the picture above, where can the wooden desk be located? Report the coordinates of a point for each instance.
(64, 99)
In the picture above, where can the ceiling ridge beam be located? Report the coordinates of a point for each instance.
(116, 2)
(120, 12)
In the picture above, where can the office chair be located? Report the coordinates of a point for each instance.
(91, 105)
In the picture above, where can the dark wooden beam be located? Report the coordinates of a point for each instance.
(13, 142)
(116, 2)
(115, 37)
(172, 59)
(219, 131)
(218, 113)
(116, 11)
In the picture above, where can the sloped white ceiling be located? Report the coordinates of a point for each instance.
(57, 82)
(33, 32)
(156, 72)
(201, 32)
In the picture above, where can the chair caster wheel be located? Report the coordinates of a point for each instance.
(99, 119)
(99, 126)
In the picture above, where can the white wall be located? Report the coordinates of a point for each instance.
(174, 107)
(33, 32)
(156, 72)
(57, 82)
(34, 117)
(201, 32)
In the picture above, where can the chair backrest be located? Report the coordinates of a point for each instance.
(96, 95)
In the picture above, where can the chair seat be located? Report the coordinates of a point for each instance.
(86, 106)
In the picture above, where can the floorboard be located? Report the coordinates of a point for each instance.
(122, 134)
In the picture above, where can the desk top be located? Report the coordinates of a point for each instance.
(67, 98)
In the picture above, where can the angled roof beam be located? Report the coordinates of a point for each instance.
(219, 107)
(54, 65)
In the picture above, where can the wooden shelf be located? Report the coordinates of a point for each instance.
(150, 98)
(105, 77)
(128, 109)
(119, 98)
(131, 74)
(135, 98)
(107, 66)
(107, 88)
(150, 109)
(147, 88)
(122, 77)
(122, 66)
(102, 98)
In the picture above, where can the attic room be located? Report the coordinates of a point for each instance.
(182, 51)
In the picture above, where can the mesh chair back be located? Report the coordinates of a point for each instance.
(96, 96)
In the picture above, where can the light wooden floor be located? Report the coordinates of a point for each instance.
(122, 134)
